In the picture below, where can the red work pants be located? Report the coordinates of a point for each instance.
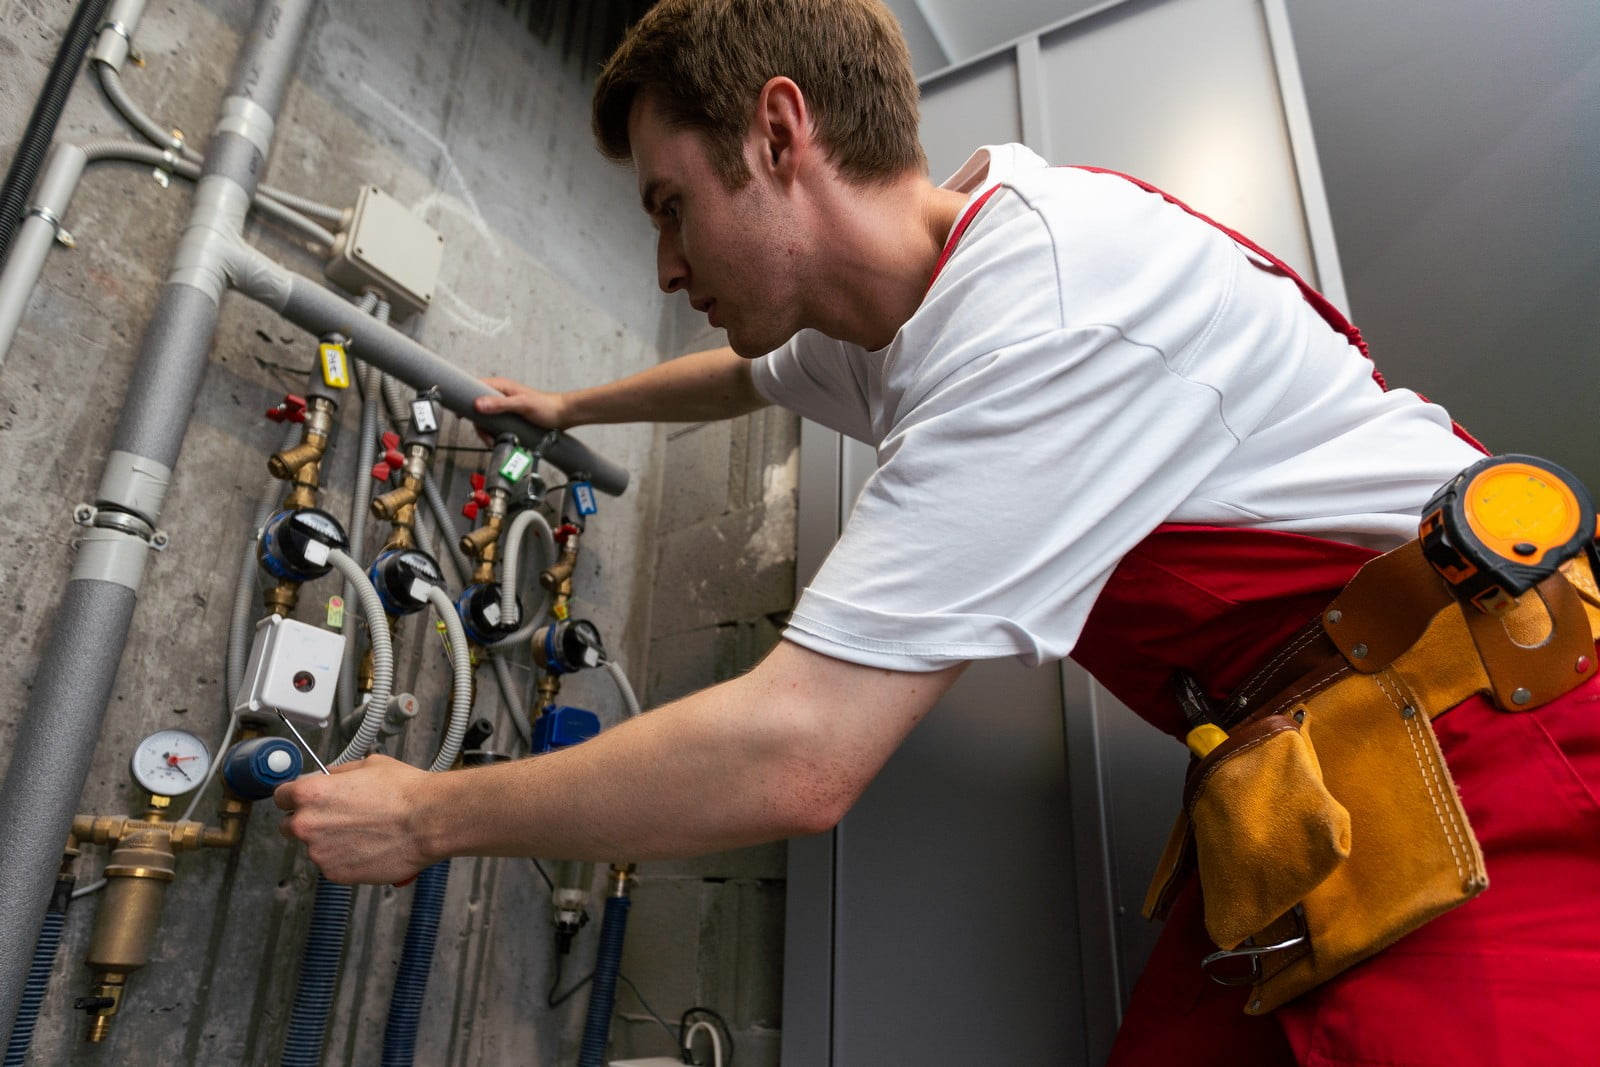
(1511, 978)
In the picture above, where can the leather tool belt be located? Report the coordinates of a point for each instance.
(1326, 826)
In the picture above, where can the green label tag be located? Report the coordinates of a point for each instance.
(336, 613)
(516, 465)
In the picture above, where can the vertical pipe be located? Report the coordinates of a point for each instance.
(56, 736)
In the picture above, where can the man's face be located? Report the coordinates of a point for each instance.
(725, 249)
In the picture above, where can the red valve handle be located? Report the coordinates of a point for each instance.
(470, 509)
(293, 409)
(381, 471)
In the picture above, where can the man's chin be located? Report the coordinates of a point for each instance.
(755, 347)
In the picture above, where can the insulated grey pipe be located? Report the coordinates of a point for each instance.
(319, 310)
(56, 736)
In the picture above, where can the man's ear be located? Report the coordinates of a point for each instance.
(782, 131)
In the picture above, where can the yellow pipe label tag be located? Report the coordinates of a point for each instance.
(335, 367)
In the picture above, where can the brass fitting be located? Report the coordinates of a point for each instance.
(483, 543)
(549, 685)
(286, 465)
(281, 598)
(125, 925)
(143, 860)
(617, 881)
(557, 578)
(390, 505)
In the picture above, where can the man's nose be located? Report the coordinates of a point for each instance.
(672, 273)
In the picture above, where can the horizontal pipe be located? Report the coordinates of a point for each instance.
(319, 310)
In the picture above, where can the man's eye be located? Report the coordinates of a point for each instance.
(670, 210)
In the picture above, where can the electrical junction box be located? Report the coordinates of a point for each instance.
(293, 669)
(389, 249)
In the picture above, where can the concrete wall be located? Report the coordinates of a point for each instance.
(482, 129)
(723, 584)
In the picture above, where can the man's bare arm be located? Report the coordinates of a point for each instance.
(783, 750)
(702, 387)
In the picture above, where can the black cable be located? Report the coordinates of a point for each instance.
(542, 874)
(555, 1001)
(41, 128)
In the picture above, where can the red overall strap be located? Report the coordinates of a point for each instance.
(961, 228)
(1321, 304)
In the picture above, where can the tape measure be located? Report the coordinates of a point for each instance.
(1504, 525)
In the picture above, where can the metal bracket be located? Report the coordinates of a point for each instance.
(89, 515)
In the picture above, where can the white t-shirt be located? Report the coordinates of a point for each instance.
(1090, 363)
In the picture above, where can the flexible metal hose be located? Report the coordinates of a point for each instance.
(461, 687)
(382, 659)
(511, 543)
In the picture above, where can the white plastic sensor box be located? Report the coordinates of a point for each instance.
(389, 249)
(293, 669)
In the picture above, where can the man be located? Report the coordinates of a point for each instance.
(1186, 454)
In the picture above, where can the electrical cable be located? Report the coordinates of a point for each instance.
(653, 1013)
(685, 1028)
(47, 109)
(716, 1041)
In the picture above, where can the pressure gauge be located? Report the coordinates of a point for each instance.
(171, 762)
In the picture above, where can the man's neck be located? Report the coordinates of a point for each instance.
(880, 244)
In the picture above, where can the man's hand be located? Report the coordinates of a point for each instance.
(358, 822)
(538, 407)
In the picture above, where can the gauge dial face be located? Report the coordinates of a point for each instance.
(171, 762)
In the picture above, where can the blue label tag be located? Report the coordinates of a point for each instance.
(583, 498)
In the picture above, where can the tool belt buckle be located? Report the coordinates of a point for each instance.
(1242, 966)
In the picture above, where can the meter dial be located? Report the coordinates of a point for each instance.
(171, 762)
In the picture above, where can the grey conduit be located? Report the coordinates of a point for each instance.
(112, 49)
(56, 735)
(450, 538)
(461, 687)
(382, 659)
(53, 194)
(361, 497)
(630, 701)
(511, 551)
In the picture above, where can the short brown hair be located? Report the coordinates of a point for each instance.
(704, 63)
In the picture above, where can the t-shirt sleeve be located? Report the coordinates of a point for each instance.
(1022, 473)
(815, 377)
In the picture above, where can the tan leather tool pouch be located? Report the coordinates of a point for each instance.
(1267, 831)
(1412, 854)
(1328, 827)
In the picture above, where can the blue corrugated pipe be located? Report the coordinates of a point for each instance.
(44, 961)
(319, 970)
(603, 990)
(416, 961)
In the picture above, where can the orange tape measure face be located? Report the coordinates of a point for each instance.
(1521, 512)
